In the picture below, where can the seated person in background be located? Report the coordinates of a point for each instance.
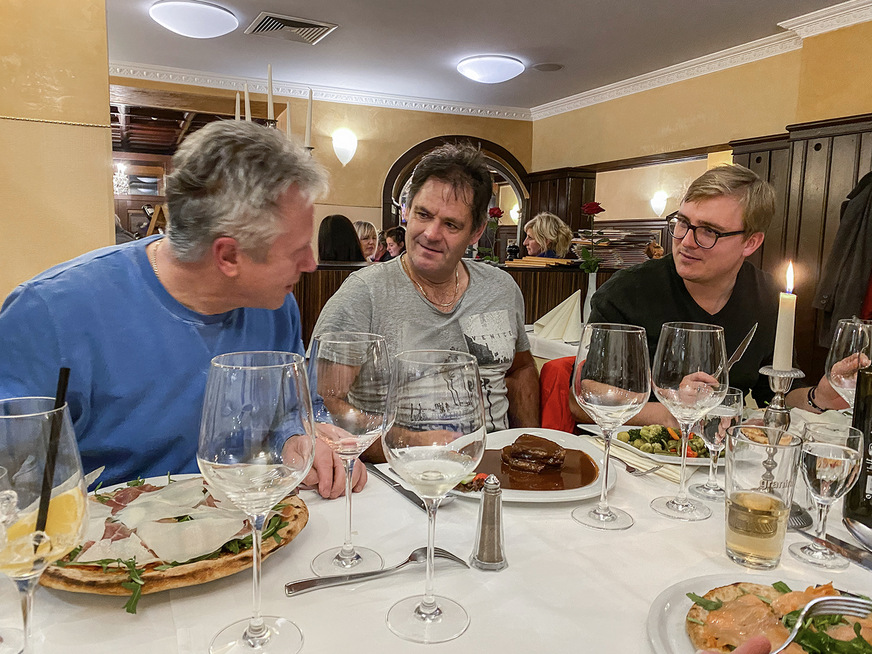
(337, 240)
(721, 221)
(395, 237)
(121, 234)
(368, 237)
(381, 250)
(138, 324)
(430, 298)
(547, 236)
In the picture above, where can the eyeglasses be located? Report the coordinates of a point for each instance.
(705, 237)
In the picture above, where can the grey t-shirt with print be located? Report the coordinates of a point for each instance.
(487, 322)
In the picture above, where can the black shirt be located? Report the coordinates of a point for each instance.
(652, 293)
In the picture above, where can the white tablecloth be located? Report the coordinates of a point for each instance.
(567, 588)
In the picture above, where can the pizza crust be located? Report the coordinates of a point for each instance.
(92, 579)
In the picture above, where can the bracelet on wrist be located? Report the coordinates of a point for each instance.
(811, 402)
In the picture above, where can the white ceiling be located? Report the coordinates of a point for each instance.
(410, 48)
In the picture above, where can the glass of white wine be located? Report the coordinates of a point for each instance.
(257, 442)
(713, 430)
(830, 463)
(437, 438)
(25, 428)
(349, 377)
(851, 349)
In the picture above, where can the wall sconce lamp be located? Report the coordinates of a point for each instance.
(658, 202)
(344, 144)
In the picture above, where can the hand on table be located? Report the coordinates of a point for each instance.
(327, 475)
(756, 645)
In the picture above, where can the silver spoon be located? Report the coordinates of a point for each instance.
(417, 556)
(861, 532)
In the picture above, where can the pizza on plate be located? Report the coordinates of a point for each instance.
(146, 538)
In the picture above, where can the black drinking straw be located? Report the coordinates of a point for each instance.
(52, 454)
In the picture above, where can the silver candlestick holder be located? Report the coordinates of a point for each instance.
(777, 414)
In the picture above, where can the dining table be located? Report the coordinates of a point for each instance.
(567, 588)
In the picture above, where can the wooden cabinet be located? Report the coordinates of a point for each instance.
(562, 192)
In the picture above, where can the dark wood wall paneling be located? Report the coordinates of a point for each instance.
(315, 288)
(813, 168)
(543, 289)
(562, 192)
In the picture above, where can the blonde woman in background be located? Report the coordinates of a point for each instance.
(547, 236)
(368, 237)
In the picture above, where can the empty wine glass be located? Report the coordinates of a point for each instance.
(849, 351)
(25, 428)
(437, 438)
(713, 430)
(690, 378)
(830, 462)
(257, 442)
(349, 377)
(612, 382)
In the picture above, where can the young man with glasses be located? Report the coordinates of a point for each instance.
(721, 221)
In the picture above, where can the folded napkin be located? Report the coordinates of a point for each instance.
(668, 471)
(798, 418)
(563, 322)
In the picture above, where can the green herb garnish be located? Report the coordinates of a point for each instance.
(136, 482)
(781, 587)
(708, 605)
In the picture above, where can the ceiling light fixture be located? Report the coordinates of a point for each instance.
(344, 144)
(490, 69)
(193, 18)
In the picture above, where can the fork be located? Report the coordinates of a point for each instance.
(635, 471)
(839, 605)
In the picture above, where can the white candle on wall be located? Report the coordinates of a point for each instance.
(288, 118)
(783, 356)
(237, 105)
(247, 104)
(309, 122)
(270, 114)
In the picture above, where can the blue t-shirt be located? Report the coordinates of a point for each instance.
(138, 358)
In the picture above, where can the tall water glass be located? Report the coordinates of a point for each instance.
(349, 376)
(830, 463)
(713, 430)
(25, 428)
(690, 378)
(611, 382)
(851, 349)
(437, 437)
(257, 442)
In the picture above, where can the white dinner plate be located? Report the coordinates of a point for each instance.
(659, 458)
(666, 617)
(499, 439)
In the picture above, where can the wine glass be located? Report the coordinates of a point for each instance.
(257, 442)
(690, 378)
(612, 382)
(713, 430)
(830, 462)
(849, 351)
(25, 428)
(437, 438)
(349, 376)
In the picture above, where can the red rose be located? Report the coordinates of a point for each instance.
(591, 208)
(496, 212)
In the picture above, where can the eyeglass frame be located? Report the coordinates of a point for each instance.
(673, 218)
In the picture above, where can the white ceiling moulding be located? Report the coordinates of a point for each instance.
(830, 18)
(193, 78)
(729, 58)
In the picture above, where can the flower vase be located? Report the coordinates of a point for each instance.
(591, 289)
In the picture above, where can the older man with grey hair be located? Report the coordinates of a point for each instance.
(138, 324)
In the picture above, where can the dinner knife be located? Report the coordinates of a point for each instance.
(397, 486)
(851, 552)
(735, 356)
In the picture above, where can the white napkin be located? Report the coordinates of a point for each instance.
(563, 322)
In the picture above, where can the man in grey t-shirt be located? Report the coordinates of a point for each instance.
(429, 299)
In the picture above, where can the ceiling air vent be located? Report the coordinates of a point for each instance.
(290, 28)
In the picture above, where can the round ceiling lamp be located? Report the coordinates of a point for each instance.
(193, 18)
(490, 69)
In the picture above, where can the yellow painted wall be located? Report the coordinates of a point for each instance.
(55, 180)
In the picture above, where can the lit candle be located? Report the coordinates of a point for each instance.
(783, 357)
(237, 105)
(247, 104)
(288, 119)
(309, 122)
(269, 102)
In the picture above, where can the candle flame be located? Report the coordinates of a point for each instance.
(790, 277)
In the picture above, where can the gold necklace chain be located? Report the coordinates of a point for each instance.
(154, 257)
(424, 293)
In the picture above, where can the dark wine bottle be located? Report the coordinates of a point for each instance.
(858, 501)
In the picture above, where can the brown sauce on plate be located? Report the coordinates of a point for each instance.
(578, 470)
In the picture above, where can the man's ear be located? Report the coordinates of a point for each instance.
(477, 234)
(226, 254)
(753, 243)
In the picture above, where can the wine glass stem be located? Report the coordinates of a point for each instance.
(712, 482)
(347, 551)
(602, 508)
(428, 603)
(26, 588)
(823, 510)
(681, 498)
(257, 633)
